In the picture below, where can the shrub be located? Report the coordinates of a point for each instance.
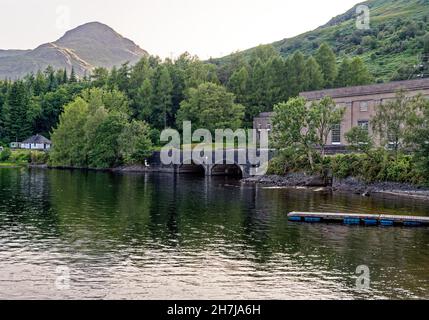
(39, 157)
(347, 165)
(289, 160)
(20, 156)
(5, 154)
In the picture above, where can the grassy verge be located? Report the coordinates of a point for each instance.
(12, 164)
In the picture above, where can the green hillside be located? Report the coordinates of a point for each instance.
(390, 48)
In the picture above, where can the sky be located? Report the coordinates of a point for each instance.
(207, 28)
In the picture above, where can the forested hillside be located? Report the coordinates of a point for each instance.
(164, 93)
(390, 48)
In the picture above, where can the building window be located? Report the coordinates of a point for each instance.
(336, 134)
(364, 124)
(364, 106)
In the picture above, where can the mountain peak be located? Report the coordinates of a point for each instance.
(88, 30)
(90, 45)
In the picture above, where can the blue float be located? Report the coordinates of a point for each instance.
(412, 224)
(371, 222)
(357, 219)
(352, 221)
(386, 223)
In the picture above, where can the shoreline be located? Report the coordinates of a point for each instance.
(293, 180)
(349, 185)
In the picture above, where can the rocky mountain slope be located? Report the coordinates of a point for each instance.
(83, 48)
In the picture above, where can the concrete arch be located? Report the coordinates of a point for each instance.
(233, 170)
(193, 168)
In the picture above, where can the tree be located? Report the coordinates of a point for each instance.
(313, 75)
(94, 131)
(17, 125)
(297, 74)
(326, 115)
(39, 85)
(238, 82)
(305, 127)
(144, 101)
(359, 74)
(112, 100)
(211, 107)
(163, 97)
(104, 145)
(68, 138)
(99, 77)
(392, 120)
(73, 77)
(344, 74)
(50, 106)
(198, 72)
(418, 138)
(359, 140)
(294, 128)
(226, 70)
(258, 87)
(263, 53)
(327, 61)
(134, 142)
(52, 83)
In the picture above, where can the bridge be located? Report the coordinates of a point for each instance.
(218, 163)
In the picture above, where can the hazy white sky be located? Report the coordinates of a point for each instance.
(168, 27)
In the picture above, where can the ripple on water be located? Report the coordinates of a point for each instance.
(161, 237)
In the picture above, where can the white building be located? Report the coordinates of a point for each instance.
(37, 142)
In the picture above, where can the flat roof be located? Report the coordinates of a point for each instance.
(408, 85)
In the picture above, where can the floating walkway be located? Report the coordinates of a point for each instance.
(359, 219)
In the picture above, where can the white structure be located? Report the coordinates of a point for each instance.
(37, 142)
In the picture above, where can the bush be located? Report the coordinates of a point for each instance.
(378, 165)
(20, 156)
(39, 157)
(5, 154)
(289, 160)
(347, 165)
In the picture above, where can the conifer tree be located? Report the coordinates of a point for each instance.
(16, 122)
(359, 73)
(73, 77)
(163, 94)
(327, 61)
(344, 74)
(313, 74)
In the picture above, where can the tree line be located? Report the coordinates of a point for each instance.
(164, 92)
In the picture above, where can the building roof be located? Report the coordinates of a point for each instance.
(408, 85)
(39, 139)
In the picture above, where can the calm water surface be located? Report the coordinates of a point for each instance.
(157, 236)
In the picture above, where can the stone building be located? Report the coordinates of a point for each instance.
(360, 103)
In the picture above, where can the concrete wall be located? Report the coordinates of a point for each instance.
(354, 113)
(353, 98)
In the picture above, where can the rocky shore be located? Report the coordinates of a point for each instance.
(349, 185)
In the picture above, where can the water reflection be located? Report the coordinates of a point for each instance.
(164, 236)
